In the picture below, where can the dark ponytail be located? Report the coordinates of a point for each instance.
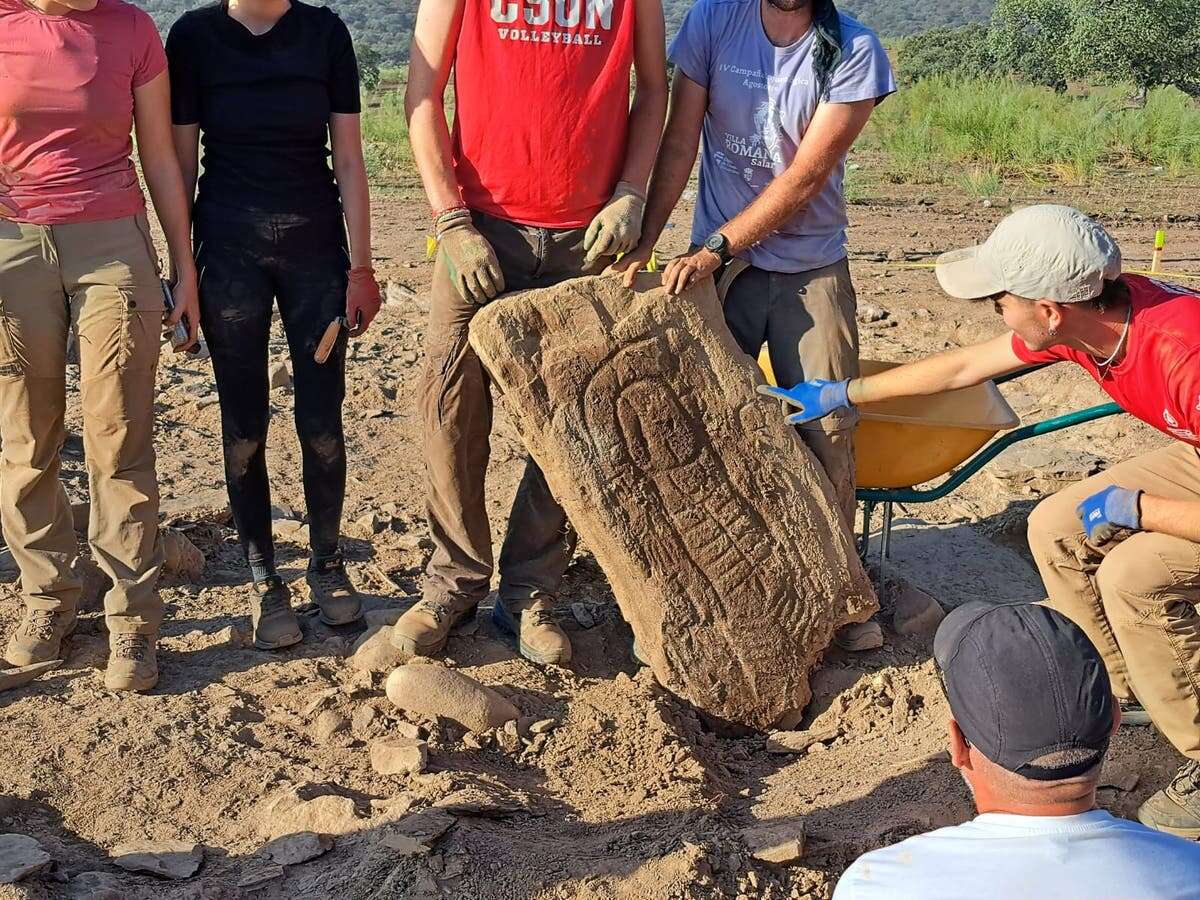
(827, 49)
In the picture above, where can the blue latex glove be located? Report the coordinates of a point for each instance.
(1108, 510)
(816, 399)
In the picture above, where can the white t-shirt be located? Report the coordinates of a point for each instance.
(996, 855)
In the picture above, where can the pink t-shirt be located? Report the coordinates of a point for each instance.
(66, 110)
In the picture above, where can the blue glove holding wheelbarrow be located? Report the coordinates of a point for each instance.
(816, 398)
(1109, 510)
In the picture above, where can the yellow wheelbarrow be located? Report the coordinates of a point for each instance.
(912, 440)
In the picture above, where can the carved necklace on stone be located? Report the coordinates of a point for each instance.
(1103, 367)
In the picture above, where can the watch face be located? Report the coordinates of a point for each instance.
(715, 242)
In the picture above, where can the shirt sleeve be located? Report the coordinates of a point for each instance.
(691, 51)
(149, 60)
(343, 72)
(185, 76)
(865, 73)
(1035, 356)
(1185, 384)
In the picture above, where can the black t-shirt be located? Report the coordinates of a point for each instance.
(263, 103)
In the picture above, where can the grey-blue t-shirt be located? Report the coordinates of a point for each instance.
(760, 101)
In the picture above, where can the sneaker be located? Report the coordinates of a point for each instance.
(331, 589)
(1176, 808)
(858, 637)
(424, 629)
(39, 637)
(538, 635)
(1133, 713)
(132, 662)
(275, 625)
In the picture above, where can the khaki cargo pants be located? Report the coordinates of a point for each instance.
(807, 320)
(1136, 597)
(456, 409)
(103, 277)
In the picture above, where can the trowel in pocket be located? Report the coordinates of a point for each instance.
(330, 338)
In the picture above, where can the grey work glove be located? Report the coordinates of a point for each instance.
(471, 261)
(618, 226)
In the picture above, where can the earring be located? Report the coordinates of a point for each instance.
(1053, 332)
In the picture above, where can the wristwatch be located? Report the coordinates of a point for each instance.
(718, 244)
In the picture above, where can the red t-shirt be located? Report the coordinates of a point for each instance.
(66, 110)
(1158, 379)
(542, 107)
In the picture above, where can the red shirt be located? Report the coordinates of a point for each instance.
(66, 110)
(542, 107)
(1158, 379)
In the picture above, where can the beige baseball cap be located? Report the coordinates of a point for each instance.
(1040, 252)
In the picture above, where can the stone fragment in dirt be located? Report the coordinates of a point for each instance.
(397, 294)
(167, 859)
(398, 756)
(427, 825)
(716, 528)
(97, 886)
(182, 557)
(363, 718)
(542, 726)
(405, 845)
(583, 615)
(1042, 469)
(409, 730)
(483, 802)
(288, 812)
(916, 612)
(261, 876)
(23, 675)
(436, 691)
(780, 844)
(374, 651)
(20, 857)
(871, 313)
(799, 741)
(373, 522)
(281, 376)
(329, 725)
(297, 848)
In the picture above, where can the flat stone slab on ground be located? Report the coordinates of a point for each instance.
(20, 857)
(714, 524)
(167, 859)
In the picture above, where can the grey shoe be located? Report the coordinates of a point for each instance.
(39, 637)
(132, 662)
(1176, 808)
(424, 629)
(271, 616)
(331, 589)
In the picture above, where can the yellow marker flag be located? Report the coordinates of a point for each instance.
(1160, 241)
(430, 247)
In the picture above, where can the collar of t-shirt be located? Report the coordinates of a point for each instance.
(999, 824)
(247, 38)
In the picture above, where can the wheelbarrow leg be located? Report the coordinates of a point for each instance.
(864, 545)
(886, 540)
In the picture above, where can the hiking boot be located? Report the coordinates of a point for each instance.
(858, 637)
(1176, 808)
(39, 637)
(425, 628)
(132, 662)
(275, 625)
(538, 635)
(331, 589)
(1133, 713)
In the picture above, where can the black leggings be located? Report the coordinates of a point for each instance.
(248, 260)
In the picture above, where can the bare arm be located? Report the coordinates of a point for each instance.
(1178, 518)
(187, 149)
(156, 150)
(649, 108)
(943, 372)
(432, 57)
(345, 135)
(676, 157)
(834, 128)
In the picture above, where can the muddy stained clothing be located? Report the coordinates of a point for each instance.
(103, 278)
(456, 409)
(807, 320)
(248, 261)
(1136, 596)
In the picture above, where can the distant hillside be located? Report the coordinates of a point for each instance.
(386, 25)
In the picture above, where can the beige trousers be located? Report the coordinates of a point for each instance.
(103, 278)
(1134, 596)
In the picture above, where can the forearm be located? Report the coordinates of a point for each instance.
(356, 206)
(779, 202)
(173, 209)
(947, 371)
(430, 140)
(671, 173)
(1178, 518)
(646, 118)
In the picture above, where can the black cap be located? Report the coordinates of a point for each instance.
(1023, 682)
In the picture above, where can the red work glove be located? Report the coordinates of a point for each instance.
(362, 299)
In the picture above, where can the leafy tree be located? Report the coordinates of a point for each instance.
(1030, 39)
(964, 51)
(1148, 43)
(369, 62)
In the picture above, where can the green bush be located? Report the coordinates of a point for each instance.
(965, 52)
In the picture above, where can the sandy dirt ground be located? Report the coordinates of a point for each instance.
(626, 796)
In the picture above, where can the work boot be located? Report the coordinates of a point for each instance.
(1134, 714)
(132, 662)
(538, 635)
(424, 629)
(858, 637)
(1176, 808)
(331, 589)
(275, 625)
(40, 635)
